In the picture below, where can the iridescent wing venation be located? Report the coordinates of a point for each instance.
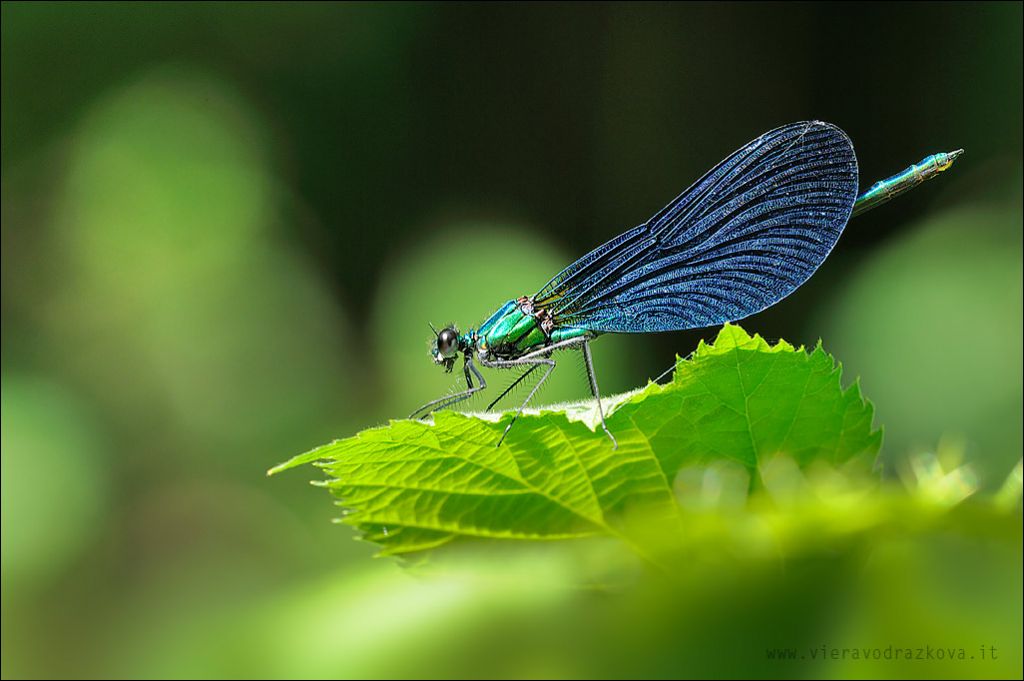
(740, 239)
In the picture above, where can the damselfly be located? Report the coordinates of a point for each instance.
(740, 239)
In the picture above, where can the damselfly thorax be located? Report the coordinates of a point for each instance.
(518, 328)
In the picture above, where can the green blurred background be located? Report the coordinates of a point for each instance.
(225, 228)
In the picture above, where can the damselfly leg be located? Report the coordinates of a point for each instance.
(449, 400)
(511, 387)
(593, 388)
(541, 357)
(533, 363)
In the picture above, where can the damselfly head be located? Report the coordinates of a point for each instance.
(446, 347)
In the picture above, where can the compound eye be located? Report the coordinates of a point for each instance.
(447, 342)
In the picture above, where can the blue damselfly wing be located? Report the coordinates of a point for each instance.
(740, 239)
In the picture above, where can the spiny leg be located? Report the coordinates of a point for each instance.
(536, 358)
(444, 402)
(520, 362)
(597, 396)
(449, 400)
(516, 382)
(583, 343)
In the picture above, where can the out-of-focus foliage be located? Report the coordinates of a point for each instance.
(42, 423)
(816, 562)
(226, 226)
(412, 486)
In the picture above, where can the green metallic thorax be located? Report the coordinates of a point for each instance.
(515, 330)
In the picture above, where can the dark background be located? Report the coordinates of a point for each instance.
(225, 228)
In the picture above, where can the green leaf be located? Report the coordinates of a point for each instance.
(411, 486)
